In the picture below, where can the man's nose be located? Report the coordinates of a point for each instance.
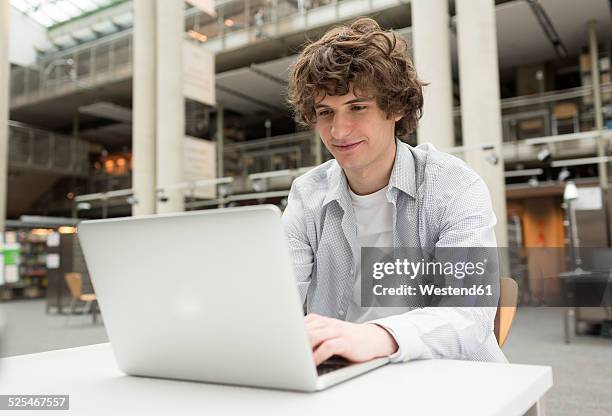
(341, 127)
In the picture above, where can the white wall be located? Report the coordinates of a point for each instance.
(25, 34)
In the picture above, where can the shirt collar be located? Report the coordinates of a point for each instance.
(403, 177)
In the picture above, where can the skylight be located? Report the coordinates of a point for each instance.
(54, 12)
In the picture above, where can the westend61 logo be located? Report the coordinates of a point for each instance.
(418, 277)
(432, 290)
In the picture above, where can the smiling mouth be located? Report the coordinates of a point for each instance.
(346, 147)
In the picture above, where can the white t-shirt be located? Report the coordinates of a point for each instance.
(374, 215)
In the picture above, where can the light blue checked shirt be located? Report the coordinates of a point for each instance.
(439, 202)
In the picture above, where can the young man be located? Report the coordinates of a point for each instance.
(356, 86)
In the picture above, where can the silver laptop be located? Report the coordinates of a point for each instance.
(206, 296)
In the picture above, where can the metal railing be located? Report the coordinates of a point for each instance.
(264, 179)
(261, 19)
(110, 58)
(82, 67)
(562, 122)
(31, 148)
(528, 122)
(291, 151)
(553, 113)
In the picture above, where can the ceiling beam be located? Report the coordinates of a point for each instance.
(263, 104)
(257, 70)
(548, 28)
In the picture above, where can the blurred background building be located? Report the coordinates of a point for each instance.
(109, 117)
(118, 107)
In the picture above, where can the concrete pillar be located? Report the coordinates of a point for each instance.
(220, 141)
(480, 100)
(432, 59)
(220, 151)
(597, 104)
(170, 102)
(144, 108)
(5, 18)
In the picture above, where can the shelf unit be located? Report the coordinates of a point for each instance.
(605, 73)
(27, 251)
(33, 271)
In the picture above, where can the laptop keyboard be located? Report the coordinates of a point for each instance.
(332, 364)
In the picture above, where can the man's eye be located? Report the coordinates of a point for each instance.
(324, 113)
(358, 107)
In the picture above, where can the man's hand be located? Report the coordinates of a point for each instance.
(355, 342)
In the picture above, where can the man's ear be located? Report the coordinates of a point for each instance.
(398, 118)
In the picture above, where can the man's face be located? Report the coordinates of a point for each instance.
(354, 129)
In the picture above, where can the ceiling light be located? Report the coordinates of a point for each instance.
(563, 175)
(259, 185)
(544, 155)
(161, 196)
(225, 190)
(41, 231)
(197, 35)
(492, 159)
(570, 192)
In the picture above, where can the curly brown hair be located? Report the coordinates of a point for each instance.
(375, 63)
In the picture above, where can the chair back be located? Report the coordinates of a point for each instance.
(506, 309)
(75, 284)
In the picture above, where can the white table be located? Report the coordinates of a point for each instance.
(434, 387)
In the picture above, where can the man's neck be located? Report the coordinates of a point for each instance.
(375, 176)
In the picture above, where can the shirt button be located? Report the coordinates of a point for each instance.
(340, 312)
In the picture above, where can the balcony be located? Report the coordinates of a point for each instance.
(563, 122)
(109, 60)
(33, 149)
(82, 68)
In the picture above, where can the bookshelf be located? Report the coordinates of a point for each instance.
(24, 269)
(605, 72)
